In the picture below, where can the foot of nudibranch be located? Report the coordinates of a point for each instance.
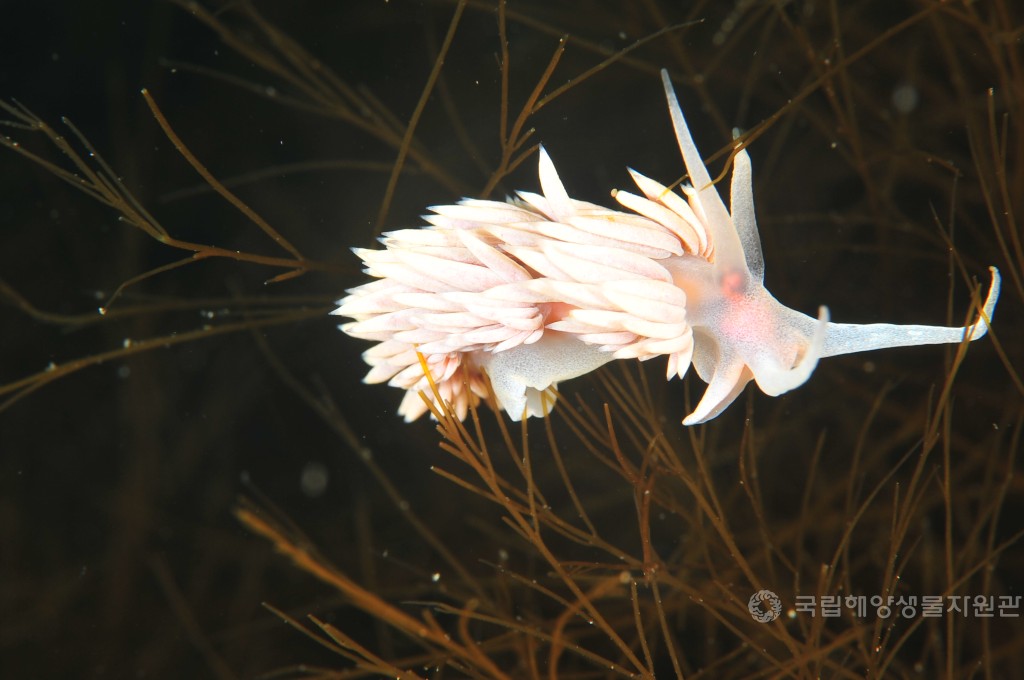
(519, 376)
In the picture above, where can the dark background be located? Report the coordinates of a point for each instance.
(120, 555)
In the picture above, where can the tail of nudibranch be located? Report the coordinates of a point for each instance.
(846, 338)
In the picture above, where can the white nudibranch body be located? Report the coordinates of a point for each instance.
(544, 288)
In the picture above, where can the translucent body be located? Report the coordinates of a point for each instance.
(544, 288)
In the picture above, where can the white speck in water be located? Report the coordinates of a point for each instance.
(905, 98)
(314, 478)
(502, 555)
(869, 367)
(435, 577)
(102, 311)
(126, 343)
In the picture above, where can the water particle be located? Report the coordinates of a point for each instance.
(905, 98)
(313, 479)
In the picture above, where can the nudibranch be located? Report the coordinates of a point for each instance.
(544, 288)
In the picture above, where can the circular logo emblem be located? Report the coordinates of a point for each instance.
(764, 606)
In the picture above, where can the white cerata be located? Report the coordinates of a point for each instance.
(544, 288)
